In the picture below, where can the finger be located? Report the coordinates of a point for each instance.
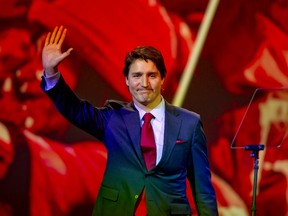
(67, 53)
(64, 55)
(58, 35)
(69, 50)
(53, 34)
(47, 39)
(63, 35)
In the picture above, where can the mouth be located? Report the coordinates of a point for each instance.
(145, 91)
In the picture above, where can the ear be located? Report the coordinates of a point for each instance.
(162, 81)
(126, 80)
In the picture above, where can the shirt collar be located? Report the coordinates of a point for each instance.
(158, 112)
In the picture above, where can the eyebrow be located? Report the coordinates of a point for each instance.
(140, 72)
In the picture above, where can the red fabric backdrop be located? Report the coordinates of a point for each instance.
(41, 173)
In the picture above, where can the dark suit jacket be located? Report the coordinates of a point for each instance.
(117, 125)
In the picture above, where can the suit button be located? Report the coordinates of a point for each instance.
(136, 196)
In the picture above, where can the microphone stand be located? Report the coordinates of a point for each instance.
(255, 154)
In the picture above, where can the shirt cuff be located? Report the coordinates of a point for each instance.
(51, 80)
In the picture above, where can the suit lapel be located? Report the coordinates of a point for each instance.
(172, 127)
(132, 122)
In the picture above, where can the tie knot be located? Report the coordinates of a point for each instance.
(147, 117)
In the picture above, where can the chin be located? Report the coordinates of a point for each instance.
(143, 102)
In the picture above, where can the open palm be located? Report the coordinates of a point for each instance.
(52, 54)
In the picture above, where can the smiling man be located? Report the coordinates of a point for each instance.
(152, 146)
(143, 77)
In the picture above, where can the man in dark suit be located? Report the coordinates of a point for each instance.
(132, 185)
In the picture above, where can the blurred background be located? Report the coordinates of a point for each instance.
(48, 167)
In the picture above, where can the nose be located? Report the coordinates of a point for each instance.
(144, 81)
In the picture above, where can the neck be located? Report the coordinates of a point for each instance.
(150, 106)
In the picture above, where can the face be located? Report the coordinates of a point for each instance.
(144, 82)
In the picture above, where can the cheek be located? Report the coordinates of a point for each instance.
(131, 84)
(157, 86)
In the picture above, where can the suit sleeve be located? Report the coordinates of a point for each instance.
(79, 112)
(199, 175)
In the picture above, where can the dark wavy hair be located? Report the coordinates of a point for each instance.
(145, 53)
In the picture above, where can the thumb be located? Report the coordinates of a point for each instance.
(67, 53)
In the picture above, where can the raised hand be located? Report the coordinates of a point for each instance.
(52, 55)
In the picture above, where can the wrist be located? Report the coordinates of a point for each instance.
(50, 71)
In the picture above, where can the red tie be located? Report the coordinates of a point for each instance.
(148, 147)
(147, 143)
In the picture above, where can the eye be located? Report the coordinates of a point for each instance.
(136, 75)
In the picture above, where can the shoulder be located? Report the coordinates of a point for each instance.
(182, 112)
(117, 104)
